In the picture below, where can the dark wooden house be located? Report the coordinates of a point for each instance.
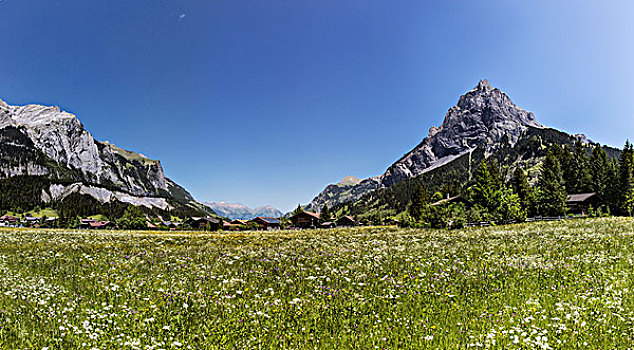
(305, 219)
(198, 223)
(267, 223)
(580, 203)
(9, 220)
(346, 221)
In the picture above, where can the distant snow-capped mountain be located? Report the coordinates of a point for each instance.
(240, 211)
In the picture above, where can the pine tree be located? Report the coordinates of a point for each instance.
(599, 171)
(581, 178)
(496, 174)
(298, 210)
(484, 188)
(418, 204)
(612, 192)
(626, 180)
(324, 215)
(566, 163)
(521, 187)
(552, 198)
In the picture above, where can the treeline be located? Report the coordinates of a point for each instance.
(565, 170)
(21, 194)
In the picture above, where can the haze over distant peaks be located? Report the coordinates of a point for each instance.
(240, 211)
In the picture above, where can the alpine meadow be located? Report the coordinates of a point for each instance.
(368, 175)
(552, 285)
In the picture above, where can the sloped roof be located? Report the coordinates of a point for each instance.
(197, 219)
(271, 220)
(581, 197)
(347, 217)
(309, 213)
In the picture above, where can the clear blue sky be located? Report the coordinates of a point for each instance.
(267, 102)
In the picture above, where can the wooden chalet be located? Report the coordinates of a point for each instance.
(7, 220)
(87, 223)
(580, 203)
(267, 223)
(230, 226)
(452, 200)
(151, 226)
(346, 221)
(198, 223)
(102, 225)
(31, 221)
(239, 222)
(305, 219)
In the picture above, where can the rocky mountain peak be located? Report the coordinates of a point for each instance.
(483, 85)
(481, 118)
(349, 181)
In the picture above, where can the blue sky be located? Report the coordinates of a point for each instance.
(267, 102)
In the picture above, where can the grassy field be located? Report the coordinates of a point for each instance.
(559, 285)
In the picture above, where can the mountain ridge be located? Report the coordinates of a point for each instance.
(482, 117)
(240, 211)
(44, 141)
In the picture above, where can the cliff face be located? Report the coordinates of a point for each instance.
(45, 141)
(482, 117)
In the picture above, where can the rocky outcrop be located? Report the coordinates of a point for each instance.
(45, 141)
(482, 117)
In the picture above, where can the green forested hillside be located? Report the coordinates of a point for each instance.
(456, 177)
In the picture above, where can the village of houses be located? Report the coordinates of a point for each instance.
(302, 220)
(577, 204)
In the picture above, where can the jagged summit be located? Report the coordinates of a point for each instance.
(349, 181)
(482, 117)
(483, 85)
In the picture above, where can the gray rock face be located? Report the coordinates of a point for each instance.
(53, 143)
(482, 117)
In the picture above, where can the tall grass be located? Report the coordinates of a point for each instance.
(557, 285)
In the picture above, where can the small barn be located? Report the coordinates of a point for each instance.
(198, 223)
(87, 223)
(267, 223)
(346, 221)
(9, 220)
(102, 225)
(580, 203)
(305, 219)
